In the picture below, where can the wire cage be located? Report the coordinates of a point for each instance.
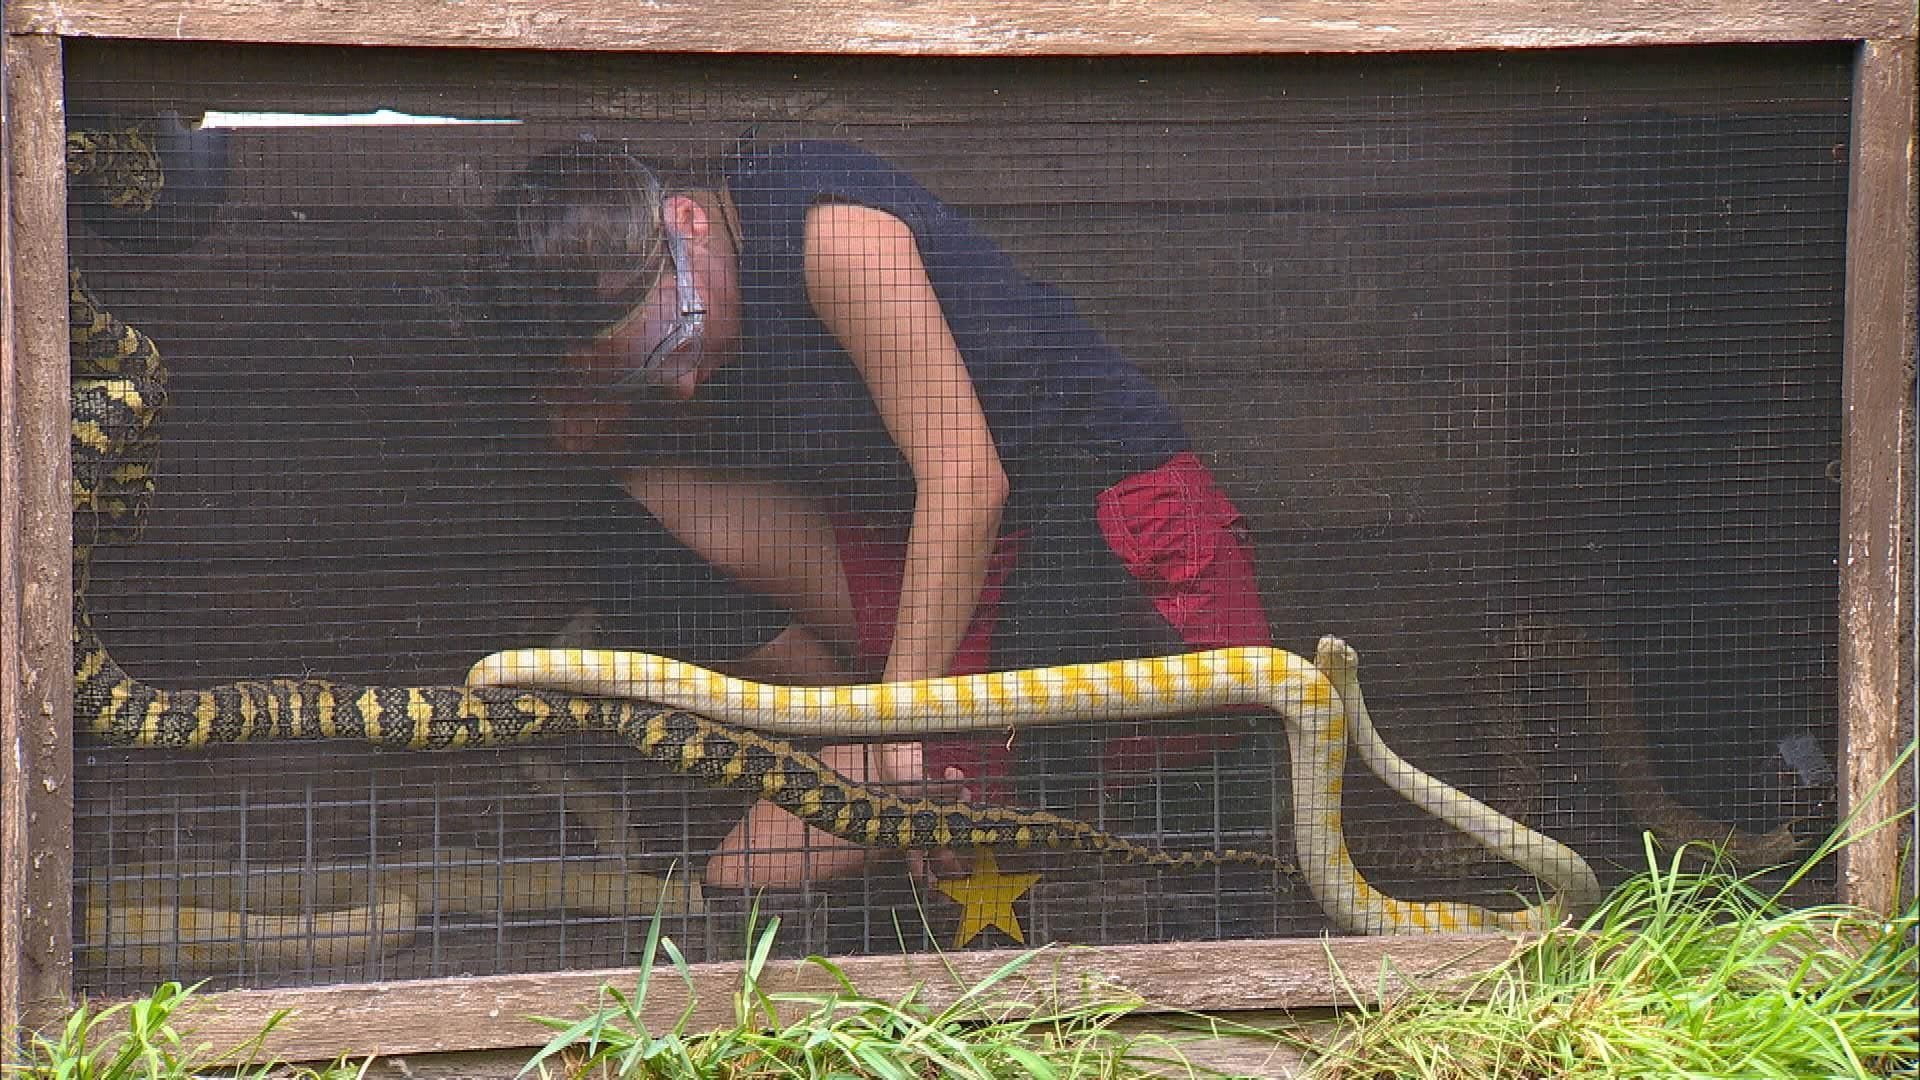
(1522, 375)
(1570, 386)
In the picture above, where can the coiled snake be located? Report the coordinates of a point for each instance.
(716, 729)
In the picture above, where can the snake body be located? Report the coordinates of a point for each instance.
(220, 917)
(1320, 703)
(1629, 753)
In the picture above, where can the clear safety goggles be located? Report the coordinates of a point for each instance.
(661, 335)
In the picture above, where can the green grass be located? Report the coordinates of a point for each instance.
(136, 1040)
(842, 1034)
(1682, 973)
(1679, 974)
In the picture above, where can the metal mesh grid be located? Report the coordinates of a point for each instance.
(1523, 371)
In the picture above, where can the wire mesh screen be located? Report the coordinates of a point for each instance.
(1518, 374)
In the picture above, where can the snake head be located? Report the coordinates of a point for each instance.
(1336, 660)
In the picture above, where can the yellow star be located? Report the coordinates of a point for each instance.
(986, 897)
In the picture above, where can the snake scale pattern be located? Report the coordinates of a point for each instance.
(732, 734)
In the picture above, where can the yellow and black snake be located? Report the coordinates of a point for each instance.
(710, 727)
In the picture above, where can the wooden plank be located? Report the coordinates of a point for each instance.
(982, 163)
(1231, 1049)
(1877, 482)
(13, 787)
(947, 27)
(36, 740)
(432, 1016)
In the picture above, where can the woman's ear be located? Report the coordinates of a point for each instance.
(687, 216)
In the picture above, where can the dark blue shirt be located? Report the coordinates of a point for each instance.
(1064, 407)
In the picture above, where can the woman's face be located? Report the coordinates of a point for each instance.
(668, 343)
(660, 346)
(688, 324)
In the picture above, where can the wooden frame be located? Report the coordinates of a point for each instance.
(35, 577)
(1876, 692)
(971, 28)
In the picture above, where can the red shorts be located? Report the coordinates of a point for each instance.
(1177, 534)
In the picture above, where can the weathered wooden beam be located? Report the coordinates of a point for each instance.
(430, 1016)
(1877, 489)
(467, 1014)
(951, 28)
(36, 594)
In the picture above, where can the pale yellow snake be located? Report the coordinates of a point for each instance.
(1320, 704)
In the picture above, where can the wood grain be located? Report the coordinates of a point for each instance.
(945, 27)
(36, 737)
(1878, 483)
(1229, 1048)
(13, 788)
(439, 1015)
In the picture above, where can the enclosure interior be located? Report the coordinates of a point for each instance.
(1523, 370)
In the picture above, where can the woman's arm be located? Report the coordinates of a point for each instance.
(869, 286)
(765, 536)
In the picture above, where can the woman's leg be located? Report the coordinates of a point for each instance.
(1186, 545)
